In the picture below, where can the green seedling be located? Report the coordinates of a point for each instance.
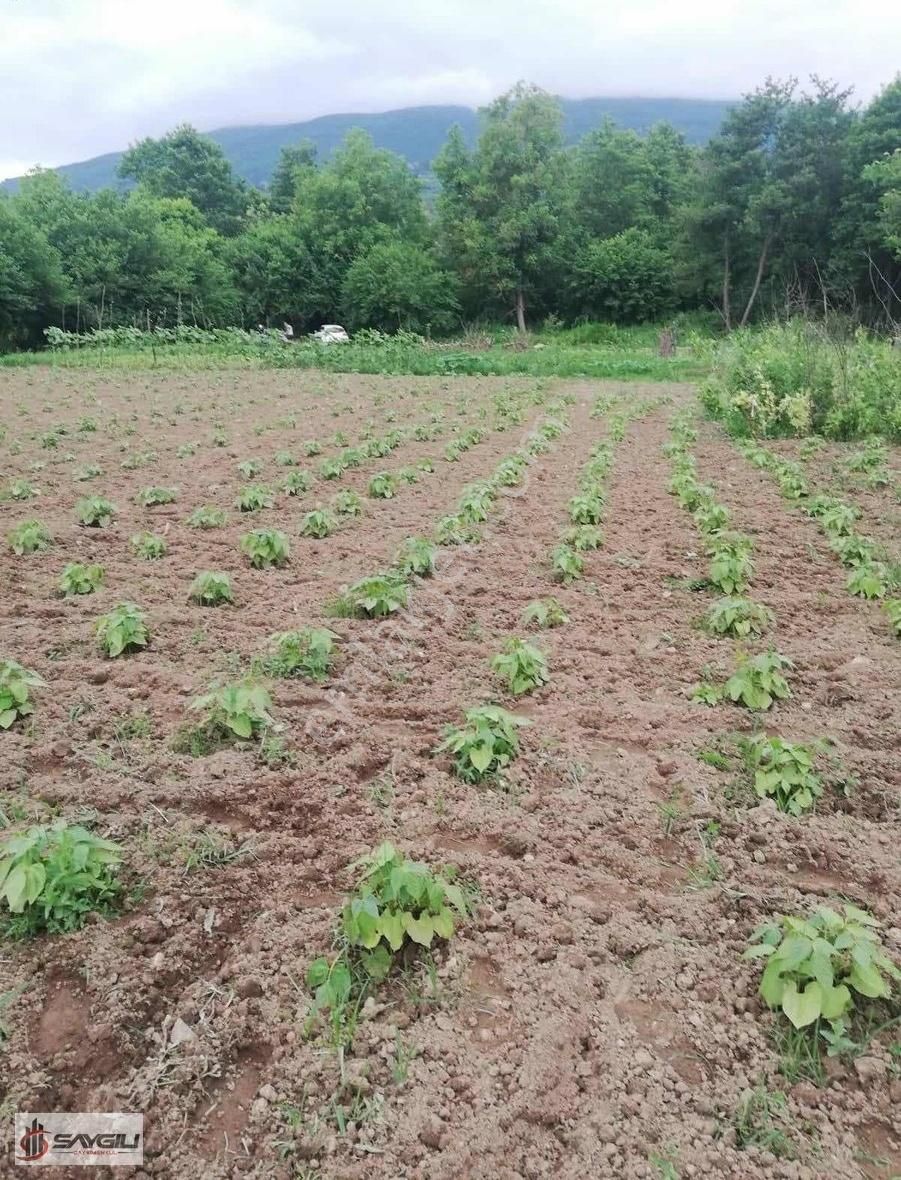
(372, 598)
(206, 517)
(29, 537)
(521, 666)
(738, 616)
(305, 653)
(783, 771)
(485, 745)
(211, 588)
(123, 629)
(265, 548)
(149, 546)
(417, 556)
(544, 612)
(77, 578)
(15, 695)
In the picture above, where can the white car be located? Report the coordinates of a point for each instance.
(331, 334)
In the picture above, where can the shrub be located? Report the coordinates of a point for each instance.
(417, 556)
(817, 968)
(545, 612)
(52, 877)
(123, 629)
(372, 598)
(784, 772)
(80, 579)
(152, 497)
(521, 665)
(253, 498)
(148, 545)
(738, 616)
(205, 517)
(211, 588)
(29, 537)
(265, 548)
(15, 697)
(307, 652)
(795, 379)
(486, 744)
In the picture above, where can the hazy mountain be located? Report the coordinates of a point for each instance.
(416, 133)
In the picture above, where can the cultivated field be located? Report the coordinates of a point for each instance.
(592, 1013)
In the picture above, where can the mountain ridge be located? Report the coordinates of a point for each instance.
(416, 133)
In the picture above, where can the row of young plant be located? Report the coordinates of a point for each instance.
(824, 969)
(398, 905)
(873, 574)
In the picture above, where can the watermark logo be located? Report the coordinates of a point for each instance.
(54, 1138)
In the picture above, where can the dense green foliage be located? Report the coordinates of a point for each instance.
(797, 195)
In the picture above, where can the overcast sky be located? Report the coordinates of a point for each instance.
(81, 77)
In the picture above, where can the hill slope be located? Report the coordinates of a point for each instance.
(416, 133)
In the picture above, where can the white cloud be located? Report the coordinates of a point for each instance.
(80, 77)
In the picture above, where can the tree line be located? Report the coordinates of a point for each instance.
(795, 203)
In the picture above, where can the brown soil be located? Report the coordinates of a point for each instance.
(596, 1014)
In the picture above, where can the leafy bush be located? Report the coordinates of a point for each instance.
(29, 537)
(253, 498)
(265, 548)
(486, 744)
(211, 588)
(797, 379)
(372, 598)
(758, 681)
(52, 877)
(784, 772)
(123, 629)
(205, 517)
(15, 698)
(817, 968)
(152, 497)
(307, 652)
(545, 612)
(738, 616)
(148, 545)
(95, 512)
(317, 523)
(417, 556)
(521, 665)
(80, 579)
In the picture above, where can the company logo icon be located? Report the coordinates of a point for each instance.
(34, 1144)
(80, 1139)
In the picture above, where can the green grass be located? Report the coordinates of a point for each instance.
(622, 354)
